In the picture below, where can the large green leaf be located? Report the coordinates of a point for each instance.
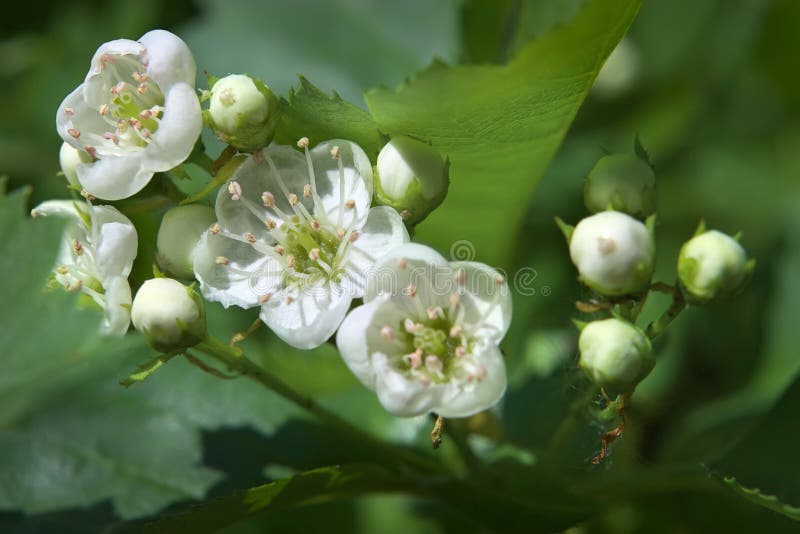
(501, 125)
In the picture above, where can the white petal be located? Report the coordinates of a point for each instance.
(404, 396)
(59, 208)
(414, 265)
(115, 47)
(474, 397)
(81, 117)
(382, 232)
(115, 242)
(115, 177)
(117, 307)
(309, 319)
(359, 336)
(356, 177)
(169, 60)
(255, 176)
(247, 276)
(177, 132)
(486, 299)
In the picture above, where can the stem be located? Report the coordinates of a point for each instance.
(658, 326)
(235, 360)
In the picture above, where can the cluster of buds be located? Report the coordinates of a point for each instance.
(613, 250)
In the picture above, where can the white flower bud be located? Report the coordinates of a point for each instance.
(615, 355)
(614, 253)
(168, 314)
(712, 265)
(243, 112)
(411, 177)
(69, 158)
(180, 231)
(622, 182)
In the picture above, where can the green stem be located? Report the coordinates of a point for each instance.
(235, 360)
(658, 326)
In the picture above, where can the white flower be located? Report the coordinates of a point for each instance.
(96, 257)
(426, 338)
(713, 265)
(296, 236)
(136, 113)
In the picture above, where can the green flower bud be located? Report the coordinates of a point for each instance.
(621, 182)
(615, 355)
(411, 177)
(712, 265)
(614, 253)
(169, 315)
(181, 229)
(243, 112)
(69, 158)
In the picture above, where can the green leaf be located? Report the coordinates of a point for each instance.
(311, 113)
(501, 125)
(766, 458)
(312, 487)
(767, 501)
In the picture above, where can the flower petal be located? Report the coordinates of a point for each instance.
(114, 177)
(486, 299)
(308, 319)
(115, 242)
(382, 232)
(414, 265)
(177, 132)
(355, 179)
(117, 306)
(234, 273)
(169, 59)
(476, 396)
(255, 177)
(403, 396)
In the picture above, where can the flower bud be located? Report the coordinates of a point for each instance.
(712, 265)
(411, 177)
(180, 231)
(622, 182)
(615, 355)
(614, 253)
(69, 158)
(243, 112)
(168, 314)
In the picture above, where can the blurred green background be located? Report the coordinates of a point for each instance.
(712, 88)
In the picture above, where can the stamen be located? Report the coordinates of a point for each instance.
(461, 277)
(414, 359)
(69, 112)
(499, 280)
(221, 260)
(456, 331)
(410, 291)
(335, 152)
(460, 352)
(111, 137)
(313, 254)
(293, 199)
(290, 261)
(279, 250)
(104, 110)
(353, 237)
(289, 299)
(235, 190)
(307, 191)
(340, 233)
(251, 238)
(74, 132)
(268, 199)
(77, 247)
(405, 214)
(271, 224)
(315, 224)
(402, 264)
(410, 326)
(215, 228)
(265, 298)
(119, 88)
(350, 204)
(141, 88)
(91, 151)
(302, 142)
(433, 364)
(62, 269)
(387, 333)
(434, 312)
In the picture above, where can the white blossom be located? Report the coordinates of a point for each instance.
(136, 113)
(96, 256)
(297, 237)
(426, 338)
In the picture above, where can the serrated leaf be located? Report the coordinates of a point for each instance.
(312, 487)
(309, 112)
(755, 495)
(501, 125)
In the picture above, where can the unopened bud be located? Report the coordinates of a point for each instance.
(622, 182)
(169, 315)
(180, 231)
(712, 265)
(614, 253)
(69, 159)
(243, 112)
(411, 177)
(615, 355)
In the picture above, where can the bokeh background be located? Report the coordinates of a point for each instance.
(713, 90)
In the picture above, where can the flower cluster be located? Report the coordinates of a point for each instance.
(300, 232)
